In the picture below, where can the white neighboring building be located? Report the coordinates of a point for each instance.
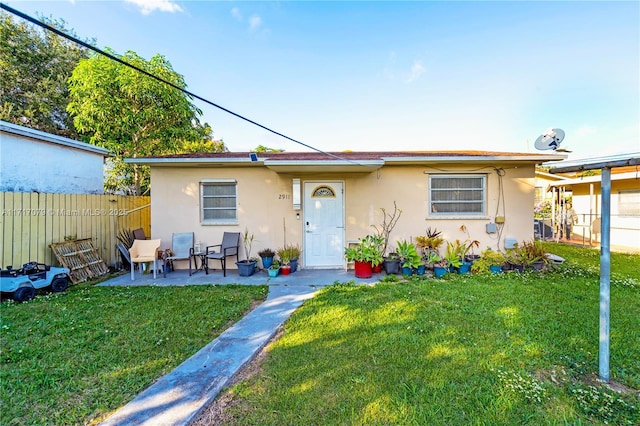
(624, 216)
(35, 161)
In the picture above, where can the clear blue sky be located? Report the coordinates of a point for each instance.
(391, 75)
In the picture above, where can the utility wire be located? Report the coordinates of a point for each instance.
(193, 95)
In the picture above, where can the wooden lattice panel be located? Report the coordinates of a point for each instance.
(81, 257)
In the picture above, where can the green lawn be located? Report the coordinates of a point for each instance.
(486, 350)
(71, 357)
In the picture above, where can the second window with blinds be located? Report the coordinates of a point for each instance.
(457, 195)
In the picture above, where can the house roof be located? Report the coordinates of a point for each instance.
(348, 161)
(51, 138)
(549, 176)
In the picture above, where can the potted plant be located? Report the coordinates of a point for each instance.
(470, 246)
(389, 221)
(266, 255)
(285, 259)
(391, 263)
(364, 255)
(409, 257)
(247, 267)
(535, 255)
(440, 266)
(489, 261)
(274, 268)
(430, 242)
(294, 255)
(432, 258)
(359, 255)
(453, 255)
(372, 248)
(523, 256)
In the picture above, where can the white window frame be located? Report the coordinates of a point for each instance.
(483, 202)
(628, 202)
(218, 221)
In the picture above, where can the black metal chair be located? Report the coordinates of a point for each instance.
(228, 248)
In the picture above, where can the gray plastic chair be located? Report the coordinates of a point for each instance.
(182, 248)
(228, 248)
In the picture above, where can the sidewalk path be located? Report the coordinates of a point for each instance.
(178, 397)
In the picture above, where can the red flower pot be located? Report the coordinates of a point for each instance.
(377, 269)
(363, 269)
(285, 270)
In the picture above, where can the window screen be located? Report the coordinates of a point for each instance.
(218, 202)
(456, 194)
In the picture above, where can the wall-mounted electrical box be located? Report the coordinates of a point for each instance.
(510, 242)
(491, 228)
(500, 220)
(295, 194)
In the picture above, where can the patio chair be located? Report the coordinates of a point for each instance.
(144, 251)
(182, 248)
(228, 248)
(138, 234)
(124, 255)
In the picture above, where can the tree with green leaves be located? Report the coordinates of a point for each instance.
(134, 115)
(34, 67)
(262, 148)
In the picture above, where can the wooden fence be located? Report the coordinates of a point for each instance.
(30, 222)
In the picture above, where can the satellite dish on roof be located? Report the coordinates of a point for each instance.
(550, 139)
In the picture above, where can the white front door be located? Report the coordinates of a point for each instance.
(323, 224)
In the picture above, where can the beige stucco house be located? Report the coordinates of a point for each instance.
(543, 182)
(323, 202)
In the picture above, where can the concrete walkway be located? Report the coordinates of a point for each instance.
(178, 397)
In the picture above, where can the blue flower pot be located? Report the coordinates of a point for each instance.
(246, 269)
(495, 269)
(464, 268)
(407, 271)
(439, 271)
(273, 272)
(267, 262)
(421, 269)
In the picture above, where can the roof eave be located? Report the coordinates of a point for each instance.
(324, 166)
(191, 161)
(51, 138)
(535, 158)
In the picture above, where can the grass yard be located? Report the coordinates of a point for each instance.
(487, 350)
(71, 357)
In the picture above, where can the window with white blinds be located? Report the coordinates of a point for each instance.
(457, 194)
(218, 202)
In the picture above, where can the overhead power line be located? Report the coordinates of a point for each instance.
(148, 74)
